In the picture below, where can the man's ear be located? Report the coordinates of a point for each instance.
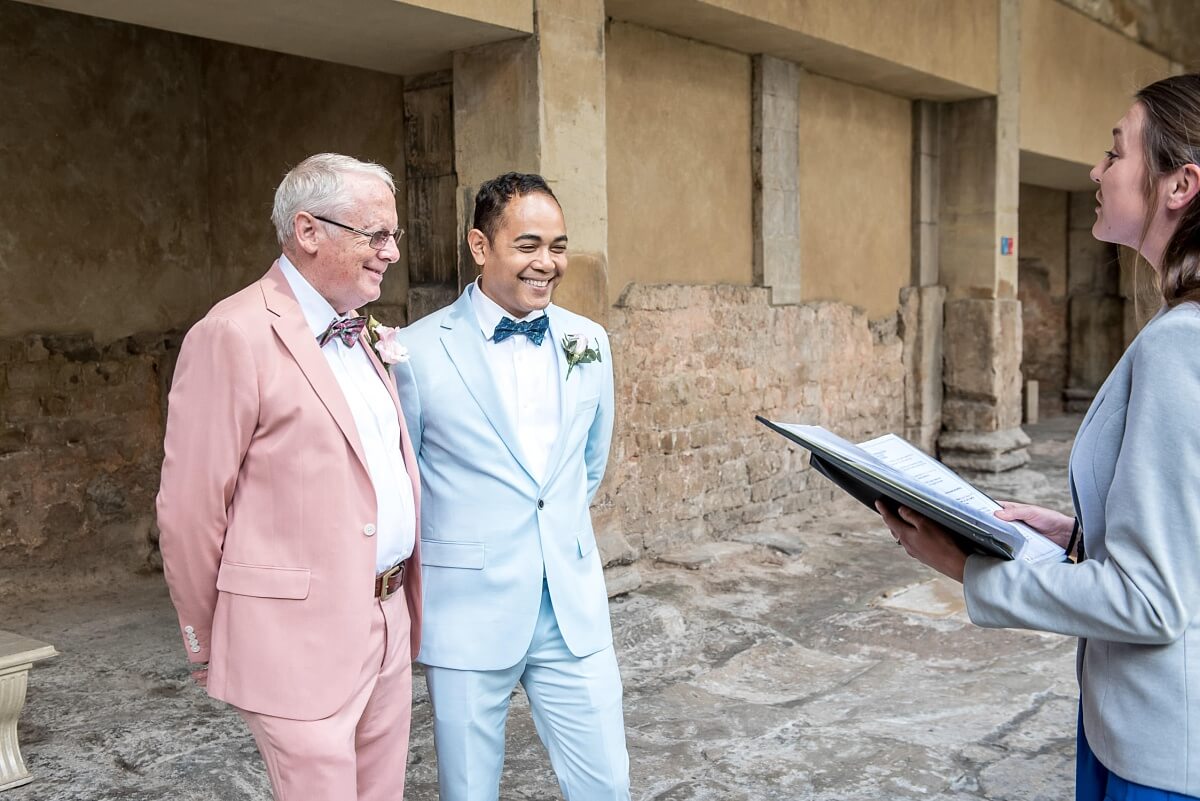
(1184, 186)
(477, 241)
(305, 232)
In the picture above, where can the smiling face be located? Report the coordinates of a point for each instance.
(341, 264)
(527, 257)
(1122, 173)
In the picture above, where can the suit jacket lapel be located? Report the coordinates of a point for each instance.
(464, 344)
(292, 329)
(568, 391)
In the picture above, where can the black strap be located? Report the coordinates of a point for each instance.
(1074, 538)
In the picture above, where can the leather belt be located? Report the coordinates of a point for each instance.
(389, 581)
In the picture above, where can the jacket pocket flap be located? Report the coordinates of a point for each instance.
(444, 553)
(587, 542)
(264, 581)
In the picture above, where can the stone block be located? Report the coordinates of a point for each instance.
(983, 359)
(433, 235)
(622, 579)
(423, 300)
(1096, 338)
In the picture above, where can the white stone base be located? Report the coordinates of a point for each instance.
(17, 655)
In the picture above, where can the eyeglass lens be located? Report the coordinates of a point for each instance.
(379, 239)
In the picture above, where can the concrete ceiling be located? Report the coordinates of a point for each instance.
(703, 21)
(402, 38)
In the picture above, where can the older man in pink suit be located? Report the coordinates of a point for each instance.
(290, 499)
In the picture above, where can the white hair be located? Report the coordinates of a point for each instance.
(315, 185)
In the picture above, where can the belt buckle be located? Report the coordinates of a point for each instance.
(385, 577)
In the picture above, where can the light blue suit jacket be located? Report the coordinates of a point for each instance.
(1135, 601)
(489, 530)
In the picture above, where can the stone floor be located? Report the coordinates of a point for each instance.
(809, 661)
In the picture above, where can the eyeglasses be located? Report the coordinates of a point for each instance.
(379, 239)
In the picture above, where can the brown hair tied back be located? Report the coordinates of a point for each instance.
(1171, 139)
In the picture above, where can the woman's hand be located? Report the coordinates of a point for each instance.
(925, 540)
(1054, 526)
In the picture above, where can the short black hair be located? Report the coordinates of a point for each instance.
(493, 197)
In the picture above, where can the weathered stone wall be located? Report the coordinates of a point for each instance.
(139, 168)
(80, 446)
(694, 365)
(1042, 290)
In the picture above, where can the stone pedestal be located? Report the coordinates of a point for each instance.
(17, 655)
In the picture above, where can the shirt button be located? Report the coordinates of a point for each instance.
(369, 529)
(541, 504)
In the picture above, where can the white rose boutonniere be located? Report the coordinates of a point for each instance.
(383, 337)
(579, 350)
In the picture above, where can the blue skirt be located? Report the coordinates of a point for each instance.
(1094, 782)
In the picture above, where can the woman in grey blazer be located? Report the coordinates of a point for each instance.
(1133, 595)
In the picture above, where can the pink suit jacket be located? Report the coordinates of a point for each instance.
(266, 510)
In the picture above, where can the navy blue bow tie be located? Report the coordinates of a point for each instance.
(535, 329)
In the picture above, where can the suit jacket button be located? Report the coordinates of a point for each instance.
(541, 504)
(369, 529)
(189, 630)
(195, 648)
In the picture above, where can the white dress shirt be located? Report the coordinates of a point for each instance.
(377, 423)
(526, 376)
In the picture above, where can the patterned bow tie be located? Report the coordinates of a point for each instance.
(346, 330)
(535, 329)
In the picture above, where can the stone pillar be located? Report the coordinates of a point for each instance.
(1096, 316)
(537, 105)
(775, 128)
(922, 304)
(977, 227)
(432, 221)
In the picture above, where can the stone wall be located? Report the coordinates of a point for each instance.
(694, 365)
(1042, 290)
(80, 447)
(139, 176)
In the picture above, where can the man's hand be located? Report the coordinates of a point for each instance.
(1054, 526)
(925, 541)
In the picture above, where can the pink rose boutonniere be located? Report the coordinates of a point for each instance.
(383, 337)
(579, 350)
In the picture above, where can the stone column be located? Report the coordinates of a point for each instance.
(1096, 312)
(431, 183)
(537, 105)
(922, 303)
(775, 135)
(980, 167)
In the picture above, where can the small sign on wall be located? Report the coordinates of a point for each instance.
(1007, 243)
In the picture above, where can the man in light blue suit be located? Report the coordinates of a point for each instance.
(509, 400)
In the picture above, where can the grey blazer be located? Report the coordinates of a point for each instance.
(1135, 601)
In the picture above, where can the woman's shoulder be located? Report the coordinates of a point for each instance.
(1169, 324)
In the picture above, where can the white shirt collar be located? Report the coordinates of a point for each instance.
(317, 311)
(488, 312)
